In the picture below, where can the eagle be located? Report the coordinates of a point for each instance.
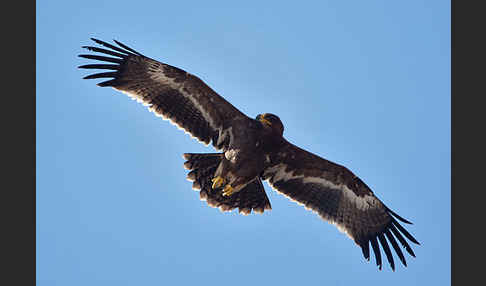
(250, 151)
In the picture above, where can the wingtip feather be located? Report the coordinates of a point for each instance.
(405, 232)
(397, 216)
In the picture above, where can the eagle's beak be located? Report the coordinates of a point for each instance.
(263, 120)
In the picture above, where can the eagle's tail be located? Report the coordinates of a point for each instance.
(203, 167)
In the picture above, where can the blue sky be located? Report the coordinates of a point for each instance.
(365, 84)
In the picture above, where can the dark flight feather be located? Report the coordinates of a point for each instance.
(101, 58)
(105, 51)
(100, 66)
(112, 47)
(101, 75)
(387, 251)
(376, 250)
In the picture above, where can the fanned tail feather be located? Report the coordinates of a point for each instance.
(203, 167)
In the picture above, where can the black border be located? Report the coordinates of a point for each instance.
(468, 74)
(18, 138)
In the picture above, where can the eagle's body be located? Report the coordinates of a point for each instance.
(253, 142)
(251, 150)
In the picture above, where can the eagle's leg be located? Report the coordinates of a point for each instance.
(228, 190)
(236, 184)
(217, 182)
(220, 178)
(233, 175)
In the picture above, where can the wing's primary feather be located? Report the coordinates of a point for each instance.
(340, 198)
(169, 92)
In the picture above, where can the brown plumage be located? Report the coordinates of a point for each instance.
(252, 150)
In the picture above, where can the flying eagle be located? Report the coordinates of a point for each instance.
(250, 151)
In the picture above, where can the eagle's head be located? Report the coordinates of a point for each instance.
(272, 121)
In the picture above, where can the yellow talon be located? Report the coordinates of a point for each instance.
(217, 182)
(228, 190)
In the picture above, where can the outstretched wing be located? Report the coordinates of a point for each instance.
(340, 198)
(169, 92)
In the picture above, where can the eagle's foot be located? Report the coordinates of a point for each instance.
(228, 191)
(217, 182)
